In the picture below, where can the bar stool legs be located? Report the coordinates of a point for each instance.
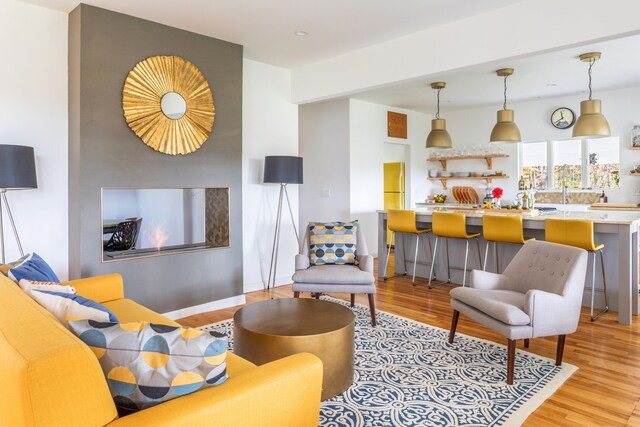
(593, 286)
(415, 258)
(466, 257)
(386, 264)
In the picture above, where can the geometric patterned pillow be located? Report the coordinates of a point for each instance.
(146, 364)
(333, 243)
(31, 285)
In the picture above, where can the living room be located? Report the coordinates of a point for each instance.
(284, 82)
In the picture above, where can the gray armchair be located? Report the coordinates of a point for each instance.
(539, 294)
(348, 279)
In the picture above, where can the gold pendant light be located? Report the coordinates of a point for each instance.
(438, 137)
(591, 121)
(505, 129)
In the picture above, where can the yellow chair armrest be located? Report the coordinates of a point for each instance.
(99, 288)
(283, 393)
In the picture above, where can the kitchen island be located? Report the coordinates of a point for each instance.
(616, 229)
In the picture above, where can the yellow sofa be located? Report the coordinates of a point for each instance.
(48, 377)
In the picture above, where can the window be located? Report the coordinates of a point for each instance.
(534, 165)
(576, 163)
(604, 162)
(567, 163)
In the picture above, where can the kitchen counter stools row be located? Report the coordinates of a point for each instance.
(495, 229)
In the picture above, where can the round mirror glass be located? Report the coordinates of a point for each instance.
(173, 105)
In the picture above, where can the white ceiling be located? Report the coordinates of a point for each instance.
(542, 76)
(266, 27)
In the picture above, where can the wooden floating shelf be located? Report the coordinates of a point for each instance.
(488, 158)
(634, 148)
(635, 174)
(488, 179)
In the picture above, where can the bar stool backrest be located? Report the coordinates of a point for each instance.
(571, 232)
(449, 224)
(502, 228)
(402, 221)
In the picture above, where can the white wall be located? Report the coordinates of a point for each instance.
(269, 127)
(473, 126)
(523, 28)
(324, 144)
(33, 112)
(368, 138)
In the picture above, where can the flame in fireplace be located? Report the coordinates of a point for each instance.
(157, 236)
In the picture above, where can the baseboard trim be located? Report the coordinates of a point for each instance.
(208, 306)
(259, 286)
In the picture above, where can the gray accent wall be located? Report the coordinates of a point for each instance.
(103, 152)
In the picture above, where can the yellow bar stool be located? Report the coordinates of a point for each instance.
(404, 221)
(502, 229)
(452, 226)
(579, 233)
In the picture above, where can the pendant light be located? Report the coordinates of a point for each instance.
(505, 129)
(591, 121)
(438, 137)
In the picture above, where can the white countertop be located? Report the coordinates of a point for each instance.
(601, 217)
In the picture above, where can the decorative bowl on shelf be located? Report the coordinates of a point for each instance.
(433, 173)
(445, 174)
(476, 174)
(440, 198)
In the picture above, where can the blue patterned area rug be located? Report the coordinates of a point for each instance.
(407, 374)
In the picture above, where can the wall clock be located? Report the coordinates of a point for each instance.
(168, 103)
(563, 118)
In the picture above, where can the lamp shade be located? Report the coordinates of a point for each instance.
(505, 129)
(17, 168)
(438, 137)
(591, 121)
(283, 170)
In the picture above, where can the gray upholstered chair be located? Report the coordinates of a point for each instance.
(347, 279)
(538, 295)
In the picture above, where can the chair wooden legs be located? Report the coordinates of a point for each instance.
(526, 343)
(511, 360)
(353, 300)
(317, 295)
(560, 349)
(296, 294)
(454, 325)
(372, 308)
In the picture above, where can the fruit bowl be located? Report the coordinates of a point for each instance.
(440, 198)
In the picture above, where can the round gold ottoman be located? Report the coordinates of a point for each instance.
(269, 330)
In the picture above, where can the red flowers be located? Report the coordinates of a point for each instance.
(497, 192)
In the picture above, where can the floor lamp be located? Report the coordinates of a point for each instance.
(281, 170)
(17, 172)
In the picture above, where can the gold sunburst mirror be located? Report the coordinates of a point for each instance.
(168, 103)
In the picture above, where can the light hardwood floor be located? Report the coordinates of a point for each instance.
(605, 391)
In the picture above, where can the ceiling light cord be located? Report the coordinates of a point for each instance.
(438, 110)
(504, 105)
(591, 62)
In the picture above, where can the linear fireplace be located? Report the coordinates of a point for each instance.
(143, 222)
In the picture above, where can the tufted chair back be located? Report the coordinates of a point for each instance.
(550, 267)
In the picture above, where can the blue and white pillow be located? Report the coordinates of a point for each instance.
(66, 307)
(33, 268)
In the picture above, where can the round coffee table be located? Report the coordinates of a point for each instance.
(269, 330)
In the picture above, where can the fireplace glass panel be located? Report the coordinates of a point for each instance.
(138, 222)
